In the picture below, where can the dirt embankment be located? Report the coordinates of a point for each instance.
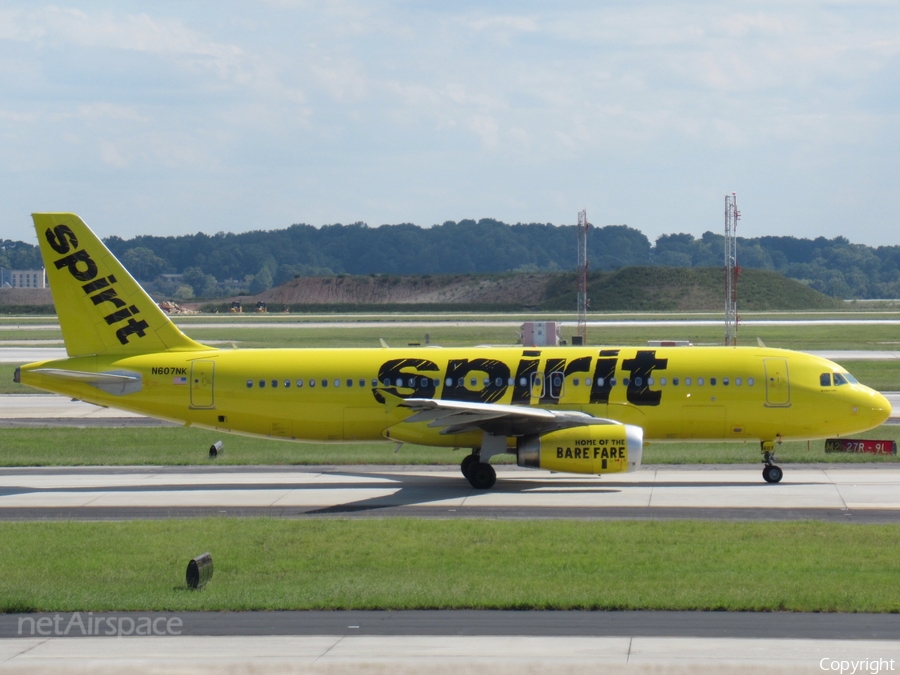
(25, 296)
(525, 289)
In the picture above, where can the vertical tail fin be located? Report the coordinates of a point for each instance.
(101, 308)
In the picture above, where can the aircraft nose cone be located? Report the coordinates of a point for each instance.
(880, 407)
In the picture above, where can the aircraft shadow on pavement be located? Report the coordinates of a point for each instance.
(407, 489)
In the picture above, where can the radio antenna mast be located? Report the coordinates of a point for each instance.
(732, 215)
(583, 226)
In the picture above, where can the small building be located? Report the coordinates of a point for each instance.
(23, 278)
(540, 333)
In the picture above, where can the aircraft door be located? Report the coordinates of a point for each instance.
(778, 385)
(202, 375)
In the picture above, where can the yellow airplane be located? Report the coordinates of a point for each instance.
(571, 409)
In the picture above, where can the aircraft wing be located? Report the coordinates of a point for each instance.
(456, 417)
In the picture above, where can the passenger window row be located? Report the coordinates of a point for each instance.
(663, 381)
(349, 382)
(424, 382)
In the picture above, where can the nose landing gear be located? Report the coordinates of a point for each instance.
(771, 473)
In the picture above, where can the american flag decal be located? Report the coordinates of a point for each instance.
(179, 380)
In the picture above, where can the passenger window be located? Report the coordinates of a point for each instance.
(699, 382)
(374, 382)
(412, 383)
(511, 382)
(312, 382)
(750, 381)
(625, 381)
(462, 382)
(662, 382)
(712, 382)
(638, 381)
(725, 381)
(274, 384)
(299, 383)
(523, 382)
(825, 379)
(324, 383)
(362, 382)
(337, 383)
(575, 382)
(486, 382)
(387, 382)
(687, 382)
(650, 381)
(587, 382)
(612, 382)
(839, 379)
(437, 383)
(498, 382)
(449, 382)
(600, 381)
(473, 382)
(426, 382)
(249, 384)
(262, 384)
(674, 381)
(349, 382)
(399, 381)
(287, 384)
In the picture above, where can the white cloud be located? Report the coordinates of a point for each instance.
(432, 111)
(95, 111)
(110, 155)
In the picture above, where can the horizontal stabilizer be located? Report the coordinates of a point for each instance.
(118, 382)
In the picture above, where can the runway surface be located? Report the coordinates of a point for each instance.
(493, 655)
(471, 323)
(30, 354)
(862, 494)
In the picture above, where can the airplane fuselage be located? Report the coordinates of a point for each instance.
(705, 393)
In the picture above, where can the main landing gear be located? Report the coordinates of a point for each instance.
(771, 473)
(481, 475)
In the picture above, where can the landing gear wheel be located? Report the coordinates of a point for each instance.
(466, 465)
(482, 476)
(772, 473)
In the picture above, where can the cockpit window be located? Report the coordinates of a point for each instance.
(825, 379)
(850, 378)
(839, 379)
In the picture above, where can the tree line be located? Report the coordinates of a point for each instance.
(228, 263)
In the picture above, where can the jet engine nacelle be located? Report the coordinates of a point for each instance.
(597, 448)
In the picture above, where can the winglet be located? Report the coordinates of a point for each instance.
(101, 308)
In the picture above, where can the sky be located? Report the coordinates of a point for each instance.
(176, 117)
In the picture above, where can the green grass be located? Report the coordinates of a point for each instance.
(880, 375)
(794, 452)
(791, 337)
(67, 446)
(266, 564)
(7, 386)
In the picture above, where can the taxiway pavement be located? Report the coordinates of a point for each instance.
(862, 493)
